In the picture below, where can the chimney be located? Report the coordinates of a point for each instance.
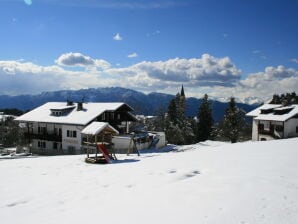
(80, 106)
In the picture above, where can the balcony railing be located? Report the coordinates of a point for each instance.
(45, 137)
(273, 133)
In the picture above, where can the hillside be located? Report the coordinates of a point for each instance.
(210, 182)
(147, 104)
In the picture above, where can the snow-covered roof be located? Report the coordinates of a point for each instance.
(79, 117)
(257, 111)
(96, 127)
(274, 112)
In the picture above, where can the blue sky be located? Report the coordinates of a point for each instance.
(223, 48)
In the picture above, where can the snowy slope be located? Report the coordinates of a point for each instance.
(210, 182)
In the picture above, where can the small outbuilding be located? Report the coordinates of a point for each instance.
(97, 140)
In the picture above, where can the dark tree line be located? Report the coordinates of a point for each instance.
(181, 129)
(286, 99)
(205, 120)
(10, 133)
(12, 111)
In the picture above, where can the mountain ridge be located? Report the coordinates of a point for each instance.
(147, 104)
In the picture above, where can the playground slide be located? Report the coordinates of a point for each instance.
(104, 152)
(154, 142)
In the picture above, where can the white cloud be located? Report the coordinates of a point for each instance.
(28, 2)
(117, 37)
(256, 51)
(206, 70)
(132, 55)
(156, 32)
(295, 60)
(218, 77)
(146, 76)
(262, 84)
(263, 57)
(80, 60)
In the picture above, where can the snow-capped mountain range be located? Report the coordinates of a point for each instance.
(147, 104)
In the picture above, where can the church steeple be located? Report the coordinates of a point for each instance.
(182, 92)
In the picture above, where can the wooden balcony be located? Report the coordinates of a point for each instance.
(271, 133)
(44, 137)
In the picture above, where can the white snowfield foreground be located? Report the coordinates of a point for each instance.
(210, 182)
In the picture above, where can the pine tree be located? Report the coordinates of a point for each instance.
(179, 128)
(285, 99)
(275, 99)
(176, 109)
(233, 122)
(182, 92)
(172, 111)
(205, 120)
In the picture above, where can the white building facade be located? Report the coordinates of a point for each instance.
(274, 121)
(55, 127)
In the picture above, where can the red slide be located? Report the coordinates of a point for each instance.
(104, 152)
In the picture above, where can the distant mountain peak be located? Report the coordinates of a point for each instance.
(147, 104)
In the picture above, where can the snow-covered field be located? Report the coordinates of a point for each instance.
(210, 182)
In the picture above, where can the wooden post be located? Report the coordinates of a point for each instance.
(127, 127)
(87, 146)
(95, 146)
(283, 134)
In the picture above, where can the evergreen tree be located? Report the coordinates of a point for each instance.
(176, 109)
(205, 120)
(178, 127)
(275, 99)
(285, 99)
(233, 122)
(172, 111)
(182, 92)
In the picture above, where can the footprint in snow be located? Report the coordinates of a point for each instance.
(173, 171)
(189, 175)
(16, 203)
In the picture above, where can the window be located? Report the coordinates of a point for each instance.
(266, 111)
(57, 113)
(58, 131)
(282, 111)
(279, 128)
(261, 127)
(41, 144)
(103, 116)
(55, 145)
(71, 134)
(266, 126)
(118, 116)
(42, 130)
(296, 129)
